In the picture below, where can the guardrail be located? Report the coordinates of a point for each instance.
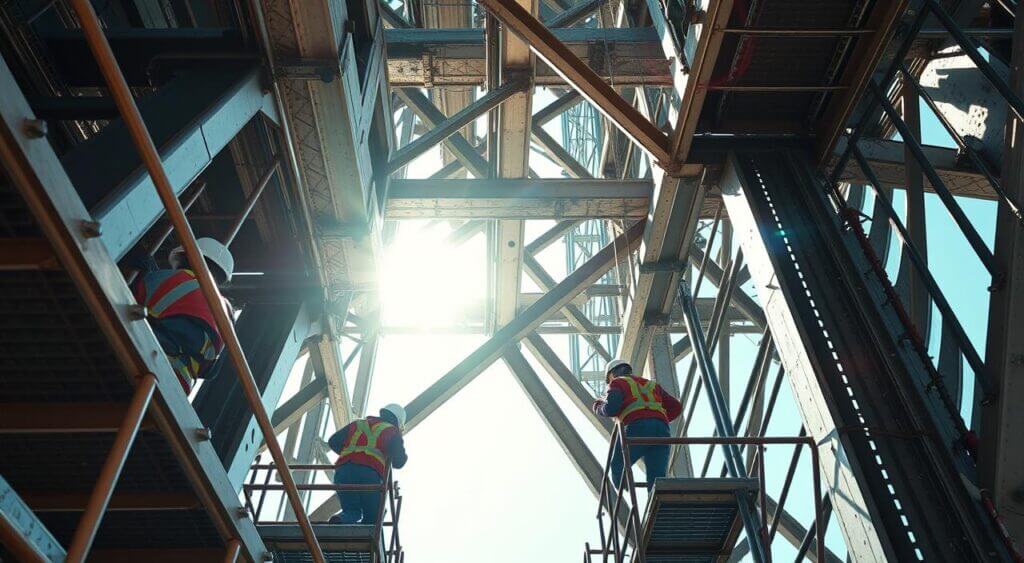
(143, 142)
(617, 541)
(390, 506)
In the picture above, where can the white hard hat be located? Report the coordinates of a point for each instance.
(213, 251)
(614, 364)
(398, 411)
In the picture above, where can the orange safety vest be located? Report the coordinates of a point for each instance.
(174, 293)
(641, 397)
(365, 444)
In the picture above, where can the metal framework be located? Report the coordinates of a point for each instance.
(736, 184)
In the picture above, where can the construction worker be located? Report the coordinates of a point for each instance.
(365, 448)
(644, 409)
(178, 311)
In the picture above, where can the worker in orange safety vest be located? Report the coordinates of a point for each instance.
(178, 312)
(365, 448)
(644, 409)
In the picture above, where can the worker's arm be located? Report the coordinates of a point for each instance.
(611, 404)
(396, 452)
(673, 408)
(337, 441)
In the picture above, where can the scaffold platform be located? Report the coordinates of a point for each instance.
(693, 520)
(340, 544)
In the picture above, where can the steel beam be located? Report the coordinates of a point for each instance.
(191, 119)
(441, 131)
(792, 530)
(523, 324)
(289, 412)
(519, 198)
(663, 366)
(887, 159)
(271, 337)
(557, 153)
(61, 418)
(456, 143)
(512, 153)
(568, 438)
(23, 533)
(841, 352)
(576, 13)
(674, 210)
(576, 72)
(456, 57)
(328, 364)
(573, 314)
(859, 69)
(580, 396)
(1002, 422)
(34, 169)
(364, 375)
(692, 86)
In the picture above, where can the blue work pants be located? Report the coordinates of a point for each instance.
(655, 457)
(357, 507)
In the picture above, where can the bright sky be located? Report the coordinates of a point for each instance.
(486, 481)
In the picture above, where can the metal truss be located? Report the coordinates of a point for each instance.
(669, 218)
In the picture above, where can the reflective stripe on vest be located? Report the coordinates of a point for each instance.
(643, 398)
(370, 448)
(183, 288)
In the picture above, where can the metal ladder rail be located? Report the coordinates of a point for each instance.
(125, 102)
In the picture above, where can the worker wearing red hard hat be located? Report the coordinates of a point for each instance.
(644, 409)
(365, 448)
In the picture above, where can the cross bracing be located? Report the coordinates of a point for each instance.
(606, 166)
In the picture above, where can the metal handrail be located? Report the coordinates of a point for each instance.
(391, 500)
(611, 544)
(129, 111)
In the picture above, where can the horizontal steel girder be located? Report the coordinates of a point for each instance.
(518, 199)
(588, 83)
(191, 120)
(888, 160)
(521, 325)
(455, 57)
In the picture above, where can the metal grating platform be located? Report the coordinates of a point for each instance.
(53, 353)
(340, 544)
(693, 520)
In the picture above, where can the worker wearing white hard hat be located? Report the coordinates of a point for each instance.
(178, 312)
(643, 409)
(366, 448)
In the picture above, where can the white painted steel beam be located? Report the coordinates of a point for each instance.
(522, 198)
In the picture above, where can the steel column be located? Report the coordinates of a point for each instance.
(1002, 421)
(675, 210)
